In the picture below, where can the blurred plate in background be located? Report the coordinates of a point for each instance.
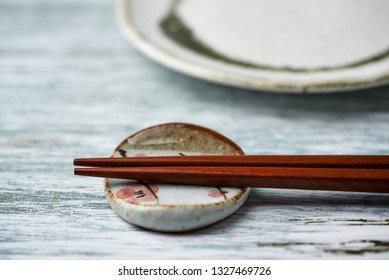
(284, 46)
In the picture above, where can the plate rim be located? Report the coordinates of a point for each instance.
(196, 70)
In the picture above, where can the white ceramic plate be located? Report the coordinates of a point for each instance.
(287, 46)
(167, 207)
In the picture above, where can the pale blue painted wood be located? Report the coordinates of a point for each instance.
(71, 86)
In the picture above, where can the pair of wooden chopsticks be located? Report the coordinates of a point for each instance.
(337, 173)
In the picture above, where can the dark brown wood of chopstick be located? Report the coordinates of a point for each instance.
(337, 161)
(335, 179)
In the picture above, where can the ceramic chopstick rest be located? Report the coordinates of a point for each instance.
(167, 207)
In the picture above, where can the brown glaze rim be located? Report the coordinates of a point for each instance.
(188, 125)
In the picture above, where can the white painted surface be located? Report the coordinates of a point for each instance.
(70, 86)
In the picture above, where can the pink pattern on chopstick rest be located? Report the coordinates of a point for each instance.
(137, 192)
(215, 193)
(125, 193)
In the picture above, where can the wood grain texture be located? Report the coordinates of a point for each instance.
(70, 86)
(329, 179)
(311, 161)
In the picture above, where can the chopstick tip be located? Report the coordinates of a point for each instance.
(79, 171)
(78, 161)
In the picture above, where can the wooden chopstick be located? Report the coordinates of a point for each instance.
(334, 179)
(333, 161)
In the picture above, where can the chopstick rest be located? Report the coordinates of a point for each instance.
(169, 207)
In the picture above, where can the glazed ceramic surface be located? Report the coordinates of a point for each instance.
(292, 46)
(165, 207)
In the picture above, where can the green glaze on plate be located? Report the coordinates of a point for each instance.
(300, 47)
(176, 29)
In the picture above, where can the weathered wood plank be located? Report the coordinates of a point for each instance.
(70, 86)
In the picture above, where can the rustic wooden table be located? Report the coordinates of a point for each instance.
(71, 86)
